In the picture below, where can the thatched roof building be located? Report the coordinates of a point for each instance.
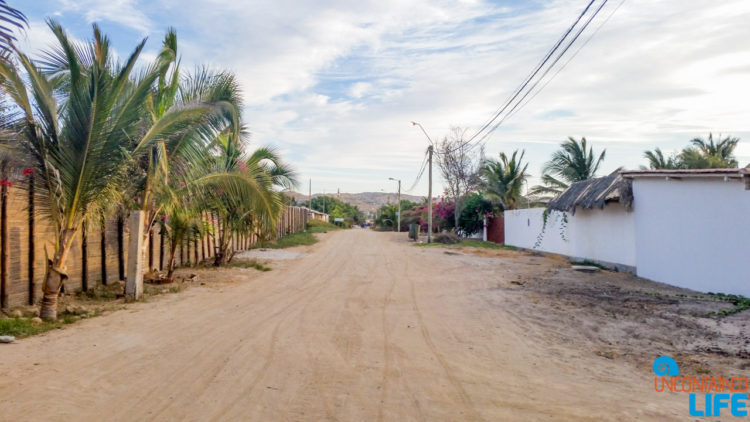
(595, 193)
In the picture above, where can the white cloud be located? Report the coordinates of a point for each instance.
(125, 12)
(359, 89)
(335, 83)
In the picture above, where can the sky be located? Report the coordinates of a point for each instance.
(334, 84)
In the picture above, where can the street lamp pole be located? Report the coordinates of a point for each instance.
(430, 150)
(398, 227)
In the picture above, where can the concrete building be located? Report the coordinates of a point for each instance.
(688, 228)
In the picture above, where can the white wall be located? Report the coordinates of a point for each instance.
(693, 233)
(606, 235)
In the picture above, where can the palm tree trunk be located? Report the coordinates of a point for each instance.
(55, 276)
(170, 262)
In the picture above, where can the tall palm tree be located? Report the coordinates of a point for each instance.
(700, 154)
(78, 131)
(658, 161)
(203, 104)
(709, 153)
(573, 162)
(503, 179)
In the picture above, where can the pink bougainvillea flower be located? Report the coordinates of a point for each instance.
(182, 184)
(28, 171)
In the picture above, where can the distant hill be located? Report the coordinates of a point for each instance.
(366, 201)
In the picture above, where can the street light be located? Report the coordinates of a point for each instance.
(398, 227)
(429, 188)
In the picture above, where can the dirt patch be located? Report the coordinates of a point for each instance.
(623, 317)
(271, 254)
(371, 328)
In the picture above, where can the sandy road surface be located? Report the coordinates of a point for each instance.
(365, 328)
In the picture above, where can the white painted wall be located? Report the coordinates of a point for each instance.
(606, 235)
(693, 233)
(523, 227)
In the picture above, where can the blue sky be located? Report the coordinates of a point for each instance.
(334, 84)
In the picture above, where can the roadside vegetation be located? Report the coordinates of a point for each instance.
(25, 327)
(249, 263)
(443, 241)
(304, 238)
(338, 209)
(92, 135)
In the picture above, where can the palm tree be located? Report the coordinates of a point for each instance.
(701, 154)
(239, 187)
(503, 179)
(710, 154)
(10, 17)
(571, 163)
(657, 160)
(199, 106)
(77, 126)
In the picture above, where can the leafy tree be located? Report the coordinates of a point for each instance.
(476, 207)
(338, 209)
(573, 162)
(459, 165)
(502, 180)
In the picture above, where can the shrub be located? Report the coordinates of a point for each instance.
(447, 238)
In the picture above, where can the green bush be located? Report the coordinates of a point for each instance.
(447, 238)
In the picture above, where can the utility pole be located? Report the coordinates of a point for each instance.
(398, 214)
(429, 196)
(399, 207)
(429, 191)
(309, 203)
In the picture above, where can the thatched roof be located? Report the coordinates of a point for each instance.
(595, 193)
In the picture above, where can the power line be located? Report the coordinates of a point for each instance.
(419, 176)
(544, 74)
(520, 103)
(526, 82)
(533, 73)
(596, 31)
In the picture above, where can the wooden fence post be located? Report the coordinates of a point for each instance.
(103, 247)
(195, 248)
(120, 247)
(84, 258)
(161, 248)
(150, 248)
(4, 237)
(31, 239)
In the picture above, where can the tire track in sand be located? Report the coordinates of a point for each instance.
(463, 396)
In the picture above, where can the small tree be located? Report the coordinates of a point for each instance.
(459, 165)
(476, 207)
(503, 179)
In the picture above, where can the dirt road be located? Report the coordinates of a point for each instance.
(365, 328)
